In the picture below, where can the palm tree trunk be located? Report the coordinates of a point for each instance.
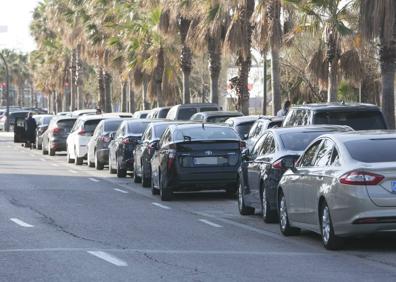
(145, 104)
(124, 86)
(264, 105)
(333, 81)
(73, 88)
(158, 73)
(275, 81)
(132, 105)
(214, 68)
(387, 59)
(79, 95)
(186, 66)
(108, 84)
(101, 88)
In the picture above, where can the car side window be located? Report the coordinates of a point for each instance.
(149, 134)
(197, 117)
(119, 131)
(259, 144)
(290, 118)
(335, 158)
(164, 138)
(309, 155)
(268, 146)
(324, 154)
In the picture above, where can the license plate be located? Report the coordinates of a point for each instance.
(393, 186)
(205, 161)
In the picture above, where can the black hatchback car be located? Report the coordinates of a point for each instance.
(196, 157)
(263, 167)
(124, 142)
(357, 116)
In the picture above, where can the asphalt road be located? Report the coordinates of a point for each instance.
(61, 222)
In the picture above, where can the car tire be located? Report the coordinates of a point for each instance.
(44, 151)
(243, 209)
(136, 179)
(68, 159)
(329, 239)
(166, 194)
(98, 165)
(269, 215)
(121, 173)
(154, 191)
(284, 224)
(51, 151)
(77, 160)
(146, 180)
(111, 169)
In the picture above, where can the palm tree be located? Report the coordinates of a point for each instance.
(239, 41)
(378, 23)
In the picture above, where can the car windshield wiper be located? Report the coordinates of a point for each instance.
(187, 138)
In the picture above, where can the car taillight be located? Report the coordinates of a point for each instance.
(171, 155)
(357, 177)
(82, 132)
(56, 130)
(105, 139)
(278, 164)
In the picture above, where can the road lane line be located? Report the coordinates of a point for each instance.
(210, 223)
(55, 165)
(93, 179)
(73, 171)
(43, 160)
(161, 206)
(109, 258)
(21, 223)
(121, 191)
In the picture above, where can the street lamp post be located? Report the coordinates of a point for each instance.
(7, 124)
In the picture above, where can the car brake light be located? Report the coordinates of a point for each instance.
(82, 132)
(105, 139)
(357, 177)
(278, 164)
(56, 130)
(171, 156)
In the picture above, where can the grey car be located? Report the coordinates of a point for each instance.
(343, 185)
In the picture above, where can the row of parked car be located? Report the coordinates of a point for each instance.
(328, 168)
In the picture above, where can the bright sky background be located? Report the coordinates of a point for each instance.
(17, 15)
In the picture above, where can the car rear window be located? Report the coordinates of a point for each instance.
(112, 126)
(372, 150)
(90, 125)
(144, 115)
(162, 113)
(66, 123)
(298, 141)
(137, 127)
(186, 113)
(217, 119)
(244, 128)
(206, 133)
(358, 120)
(208, 109)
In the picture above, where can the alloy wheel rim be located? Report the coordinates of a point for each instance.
(283, 213)
(325, 225)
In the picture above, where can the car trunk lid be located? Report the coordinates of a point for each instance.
(384, 193)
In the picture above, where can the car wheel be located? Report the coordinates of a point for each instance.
(243, 209)
(121, 173)
(146, 179)
(136, 179)
(51, 151)
(269, 216)
(77, 160)
(44, 151)
(111, 169)
(329, 239)
(165, 192)
(68, 159)
(98, 165)
(154, 191)
(284, 224)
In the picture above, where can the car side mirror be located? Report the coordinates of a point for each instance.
(245, 155)
(112, 135)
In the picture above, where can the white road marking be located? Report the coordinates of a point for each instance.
(93, 179)
(121, 191)
(55, 165)
(161, 206)
(43, 160)
(109, 258)
(32, 155)
(210, 223)
(21, 223)
(72, 171)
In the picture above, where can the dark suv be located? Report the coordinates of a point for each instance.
(357, 116)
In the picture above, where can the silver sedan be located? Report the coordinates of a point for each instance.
(343, 185)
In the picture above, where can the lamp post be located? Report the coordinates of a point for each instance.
(7, 124)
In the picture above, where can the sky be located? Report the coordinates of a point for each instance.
(17, 16)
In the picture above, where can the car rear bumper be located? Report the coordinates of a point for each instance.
(58, 144)
(204, 181)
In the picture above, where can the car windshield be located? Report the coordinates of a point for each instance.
(244, 128)
(111, 126)
(186, 113)
(372, 150)
(162, 113)
(217, 119)
(298, 141)
(206, 133)
(66, 123)
(137, 127)
(358, 120)
(90, 125)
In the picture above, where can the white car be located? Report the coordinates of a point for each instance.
(79, 137)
